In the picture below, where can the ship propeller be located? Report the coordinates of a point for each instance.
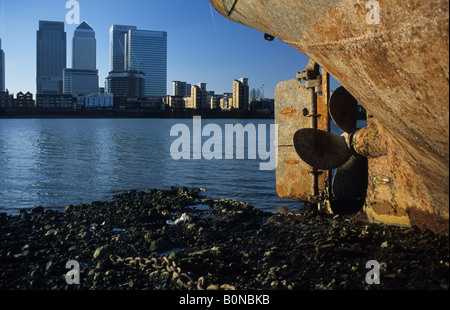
(325, 151)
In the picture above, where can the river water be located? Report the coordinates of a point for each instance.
(57, 162)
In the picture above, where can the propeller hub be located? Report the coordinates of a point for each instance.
(368, 142)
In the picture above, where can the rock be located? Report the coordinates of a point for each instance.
(37, 210)
(51, 232)
(103, 252)
(48, 265)
(24, 254)
(325, 248)
(356, 247)
(171, 255)
(244, 247)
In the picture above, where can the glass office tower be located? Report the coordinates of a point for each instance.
(146, 51)
(117, 47)
(84, 48)
(51, 56)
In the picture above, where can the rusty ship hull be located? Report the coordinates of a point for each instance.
(397, 68)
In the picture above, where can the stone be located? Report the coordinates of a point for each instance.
(103, 252)
(37, 210)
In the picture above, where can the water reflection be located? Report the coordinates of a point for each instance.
(56, 162)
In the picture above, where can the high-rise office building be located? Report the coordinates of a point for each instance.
(84, 48)
(130, 84)
(51, 56)
(117, 47)
(80, 82)
(2, 68)
(82, 79)
(146, 51)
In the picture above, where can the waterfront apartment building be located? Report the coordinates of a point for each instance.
(226, 101)
(98, 101)
(2, 69)
(177, 102)
(24, 101)
(215, 101)
(51, 56)
(199, 97)
(182, 89)
(54, 101)
(6, 100)
(130, 84)
(241, 94)
(146, 51)
(117, 47)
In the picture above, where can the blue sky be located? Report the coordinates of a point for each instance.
(202, 46)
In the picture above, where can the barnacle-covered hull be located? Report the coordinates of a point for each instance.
(393, 57)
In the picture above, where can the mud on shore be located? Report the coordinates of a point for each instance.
(134, 242)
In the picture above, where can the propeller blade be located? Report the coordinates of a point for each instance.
(320, 149)
(350, 180)
(344, 109)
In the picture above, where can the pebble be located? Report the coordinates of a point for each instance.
(229, 245)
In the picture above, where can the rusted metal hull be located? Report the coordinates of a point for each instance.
(398, 70)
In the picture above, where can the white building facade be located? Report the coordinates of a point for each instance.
(97, 101)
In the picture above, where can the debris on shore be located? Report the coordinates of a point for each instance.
(176, 239)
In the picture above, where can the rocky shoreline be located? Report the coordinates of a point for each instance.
(178, 240)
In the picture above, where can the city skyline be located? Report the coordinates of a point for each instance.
(202, 45)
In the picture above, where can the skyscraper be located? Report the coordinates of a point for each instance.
(84, 48)
(117, 47)
(82, 79)
(80, 82)
(2, 68)
(51, 56)
(146, 51)
(130, 84)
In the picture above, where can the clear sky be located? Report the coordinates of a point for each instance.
(203, 46)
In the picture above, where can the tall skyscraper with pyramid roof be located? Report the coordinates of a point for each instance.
(82, 78)
(84, 48)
